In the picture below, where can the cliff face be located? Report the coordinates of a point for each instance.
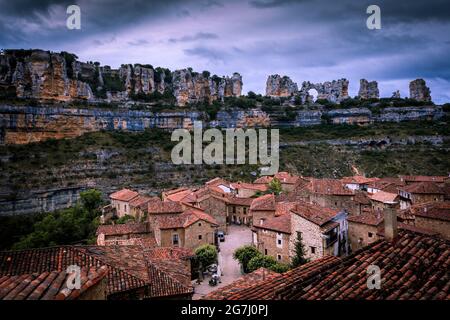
(419, 91)
(333, 91)
(277, 86)
(44, 75)
(368, 90)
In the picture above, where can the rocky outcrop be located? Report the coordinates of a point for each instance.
(192, 87)
(277, 86)
(396, 94)
(368, 90)
(419, 91)
(333, 91)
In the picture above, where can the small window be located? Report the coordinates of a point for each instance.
(175, 239)
(265, 252)
(370, 234)
(245, 210)
(279, 257)
(313, 250)
(199, 237)
(279, 242)
(199, 224)
(234, 209)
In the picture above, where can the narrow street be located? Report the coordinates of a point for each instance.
(237, 236)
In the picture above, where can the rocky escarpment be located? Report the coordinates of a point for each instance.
(278, 86)
(192, 87)
(333, 91)
(419, 91)
(368, 90)
(44, 75)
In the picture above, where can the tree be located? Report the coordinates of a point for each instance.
(124, 219)
(91, 199)
(261, 261)
(299, 258)
(275, 186)
(244, 254)
(206, 255)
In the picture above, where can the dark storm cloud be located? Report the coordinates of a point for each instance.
(314, 40)
(195, 37)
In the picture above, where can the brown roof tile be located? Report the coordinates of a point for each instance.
(328, 187)
(122, 229)
(314, 213)
(423, 188)
(264, 203)
(124, 195)
(384, 197)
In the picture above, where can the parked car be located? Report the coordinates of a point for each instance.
(221, 236)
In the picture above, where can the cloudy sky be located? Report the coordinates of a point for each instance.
(313, 40)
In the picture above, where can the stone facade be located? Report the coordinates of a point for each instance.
(440, 226)
(361, 235)
(217, 208)
(272, 243)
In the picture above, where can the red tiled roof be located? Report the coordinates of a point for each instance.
(370, 218)
(385, 197)
(250, 186)
(413, 267)
(122, 229)
(263, 180)
(281, 223)
(284, 207)
(316, 214)
(267, 290)
(142, 201)
(438, 179)
(286, 177)
(159, 207)
(59, 258)
(185, 219)
(264, 203)
(423, 188)
(182, 194)
(358, 180)
(328, 187)
(433, 210)
(124, 195)
(246, 281)
(240, 201)
(361, 198)
(49, 285)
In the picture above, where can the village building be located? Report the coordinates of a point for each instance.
(248, 190)
(262, 208)
(383, 200)
(357, 182)
(421, 192)
(402, 257)
(124, 234)
(139, 206)
(120, 201)
(238, 210)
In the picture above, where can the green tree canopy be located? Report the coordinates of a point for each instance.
(261, 261)
(206, 255)
(244, 254)
(275, 186)
(300, 253)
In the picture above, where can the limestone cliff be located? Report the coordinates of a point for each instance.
(45, 75)
(368, 90)
(277, 86)
(333, 91)
(419, 91)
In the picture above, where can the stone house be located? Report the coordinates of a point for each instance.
(124, 234)
(214, 204)
(421, 192)
(362, 229)
(190, 229)
(139, 206)
(120, 201)
(383, 200)
(324, 231)
(248, 190)
(287, 180)
(262, 208)
(357, 182)
(238, 210)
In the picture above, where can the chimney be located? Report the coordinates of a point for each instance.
(390, 224)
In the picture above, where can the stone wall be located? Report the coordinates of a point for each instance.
(440, 226)
(311, 237)
(267, 240)
(199, 228)
(358, 235)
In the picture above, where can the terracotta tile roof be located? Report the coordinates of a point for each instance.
(385, 197)
(414, 267)
(433, 210)
(358, 180)
(49, 285)
(284, 207)
(373, 218)
(250, 186)
(438, 179)
(59, 258)
(263, 180)
(216, 181)
(124, 195)
(169, 253)
(246, 281)
(328, 187)
(122, 229)
(161, 207)
(240, 201)
(141, 263)
(281, 223)
(408, 227)
(286, 178)
(185, 219)
(423, 188)
(267, 290)
(264, 203)
(181, 195)
(142, 201)
(361, 198)
(316, 214)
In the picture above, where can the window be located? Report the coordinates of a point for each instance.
(199, 224)
(279, 257)
(175, 239)
(265, 252)
(261, 221)
(234, 209)
(370, 234)
(313, 250)
(331, 237)
(279, 240)
(245, 210)
(199, 237)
